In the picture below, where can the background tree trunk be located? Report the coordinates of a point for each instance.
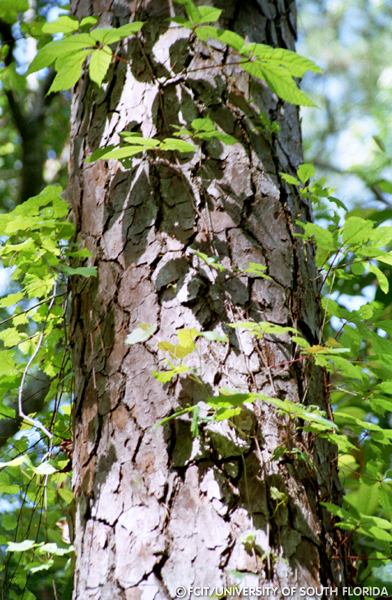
(157, 509)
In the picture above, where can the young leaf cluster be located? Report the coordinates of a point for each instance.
(69, 54)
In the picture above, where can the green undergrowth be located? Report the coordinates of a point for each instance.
(353, 255)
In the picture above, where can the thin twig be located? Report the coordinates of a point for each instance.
(34, 422)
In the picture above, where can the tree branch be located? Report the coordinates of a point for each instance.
(15, 108)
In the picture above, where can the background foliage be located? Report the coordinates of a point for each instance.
(347, 139)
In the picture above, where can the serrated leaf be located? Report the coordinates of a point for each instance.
(63, 24)
(81, 271)
(11, 299)
(187, 336)
(356, 230)
(112, 153)
(305, 172)
(191, 10)
(37, 567)
(292, 62)
(208, 14)
(66, 495)
(203, 124)
(167, 376)
(279, 81)
(66, 47)
(45, 468)
(44, 58)
(11, 337)
(381, 278)
(9, 9)
(175, 144)
(88, 21)
(229, 38)
(214, 336)
(21, 546)
(142, 333)
(135, 139)
(7, 367)
(256, 270)
(290, 179)
(69, 70)
(106, 35)
(176, 350)
(232, 39)
(9, 489)
(99, 64)
(211, 261)
(323, 237)
(54, 549)
(318, 349)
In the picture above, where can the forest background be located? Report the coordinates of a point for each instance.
(348, 140)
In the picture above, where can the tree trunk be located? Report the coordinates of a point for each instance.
(157, 508)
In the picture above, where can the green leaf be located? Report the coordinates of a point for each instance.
(141, 333)
(205, 129)
(11, 337)
(66, 495)
(374, 520)
(290, 179)
(21, 546)
(118, 153)
(208, 14)
(7, 367)
(36, 567)
(211, 261)
(186, 343)
(356, 230)
(379, 143)
(45, 468)
(61, 48)
(230, 38)
(166, 376)
(54, 549)
(81, 271)
(191, 10)
(9, 9)
(279, 81)
(305, 172)
(136, 139)
(214, 336)
(377, 533)
(88, 21)
(44, 58)
(69, 70)
(11, 299)
(63, 24)
(99, 64)
(323, 237)
(111, 35)
(262, 328)
(295, 64)
(187, 336)
(178, 413)
(175, 144)
(256, 270)
(381, 278)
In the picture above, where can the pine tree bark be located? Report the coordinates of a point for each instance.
(157, 509)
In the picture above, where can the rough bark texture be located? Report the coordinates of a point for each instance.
(157, 509)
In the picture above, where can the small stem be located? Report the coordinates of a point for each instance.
(34, 422)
